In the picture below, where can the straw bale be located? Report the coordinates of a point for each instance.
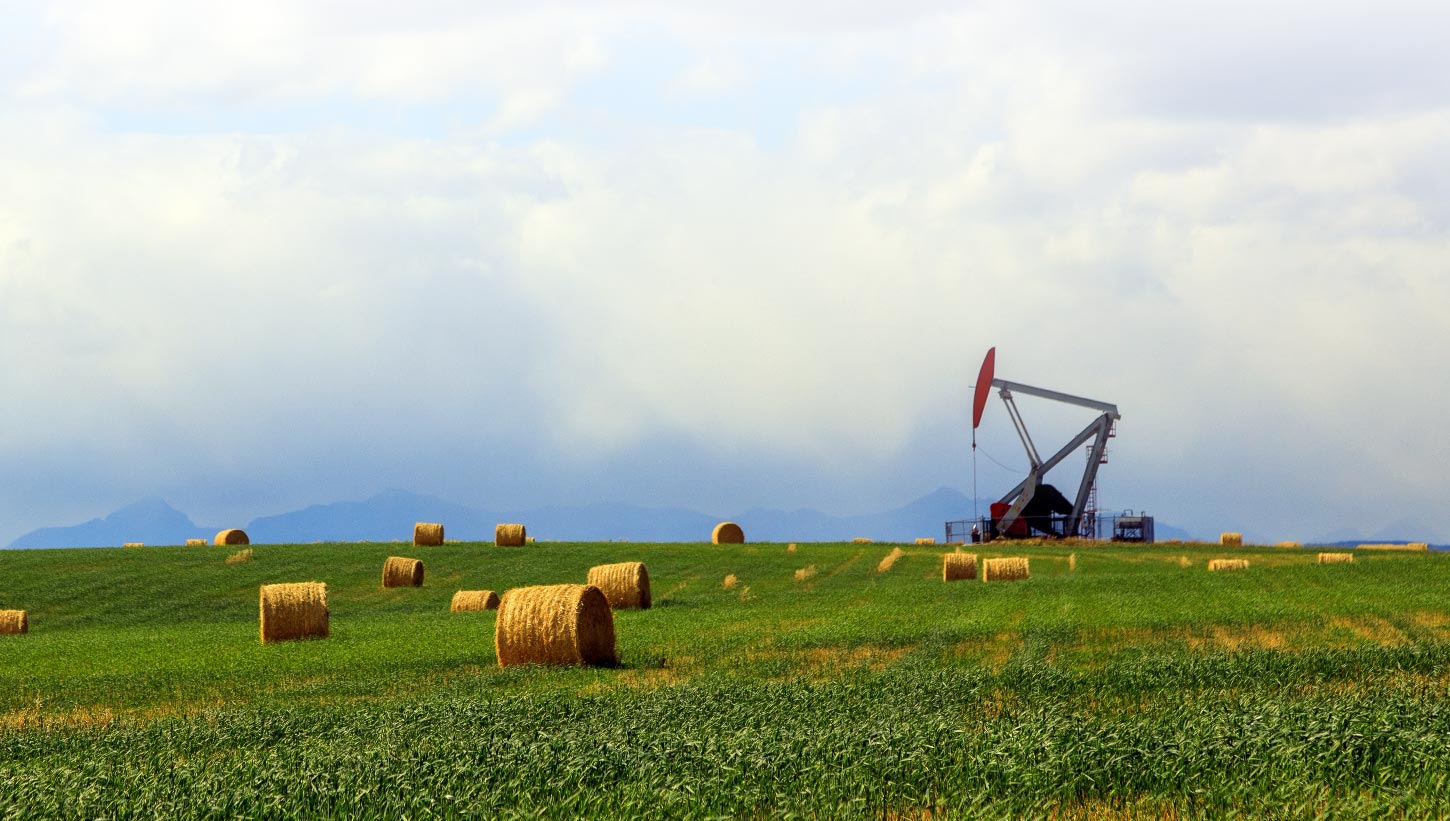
(510, 535)
(1412, 547)
(554, 624)
(957, 566)
(1231, 539)
(293, 611)
(473, 600)
(729, 582)
(244, 555)
(1009, 569)
(625, 584)
(528, 540)
(1228, 564)
(926, 540)
(1336, 558)
(14, 622)
(401, 571)
(890, 560)
(727, 533)
(231, 537)
(195, 542)
(1287, 544)
(133, 544)
(427, 534)
(861, 540)
(790, 548)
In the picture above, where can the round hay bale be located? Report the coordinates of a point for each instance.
(1287, 544)
(467, 600)
(727, 533)
(555, 624)
(528, 540)
(1008, 569)
(1231, 539)
(926, 540)
(958, 566)
(512, 535)
(195, 542)
(1215, 565)
(625, 585)
(1336, 558)
(401, 571)
(293, 611)
(231, 537)
(861, 540)
(427, 534)
(14, 622)
(133, 544)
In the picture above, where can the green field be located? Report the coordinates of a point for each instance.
(1135, 685)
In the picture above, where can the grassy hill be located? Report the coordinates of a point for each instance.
(1127, 682)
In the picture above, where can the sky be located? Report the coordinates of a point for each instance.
(255, 256)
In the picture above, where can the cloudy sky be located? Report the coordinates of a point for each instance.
(260, 255)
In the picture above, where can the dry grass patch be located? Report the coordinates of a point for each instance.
(244, 555)
(861, 540)
(134, 544)
(805, 573)
(729, 582)
(891, 558)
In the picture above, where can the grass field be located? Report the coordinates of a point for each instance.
(1137, 685)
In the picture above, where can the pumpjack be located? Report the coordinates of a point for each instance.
(1033, 505)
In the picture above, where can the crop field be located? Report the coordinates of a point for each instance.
(1116, 682)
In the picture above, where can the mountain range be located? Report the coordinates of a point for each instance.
(390, 515)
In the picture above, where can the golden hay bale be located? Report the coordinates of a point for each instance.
(510, 535)
(473, 600)
(625, 585)
(231, 537)
(1231, 539)
(14, 622)
(1413, 546)
(293, 611)
(890, 560)
(1228, 564)
(861, 540)
(1336, 558)
(729, 582)
(134, 544)
(727, 533)
(957, 566)
(790, 548)
(427, 534)
(240, 556)
(401, 571)
(554, 624)
(926, 540)
(195, 542)
(805, 573)
(528, 540)
(1009, 569)
(1287, 544)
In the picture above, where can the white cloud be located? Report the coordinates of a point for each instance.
(1262, 296)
